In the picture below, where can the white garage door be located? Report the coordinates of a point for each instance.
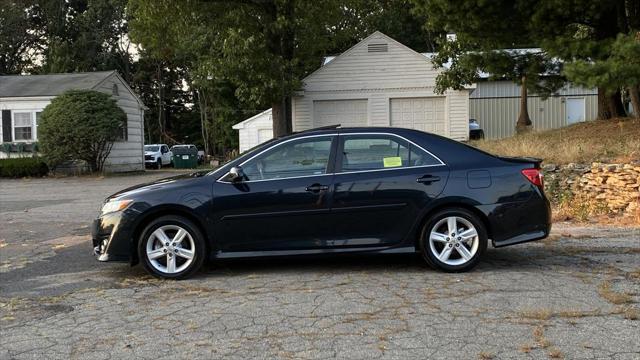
(343, 112)
(425, 114)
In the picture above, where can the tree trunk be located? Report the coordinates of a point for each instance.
(160, 101)
(203, 122)
(604, 110)
(212, 136)
(616, 106)
(278, 114)
(524, 122)
(634, 93)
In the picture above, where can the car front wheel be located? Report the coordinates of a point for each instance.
(453, 240)
(172, 247)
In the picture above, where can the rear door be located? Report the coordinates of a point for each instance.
(382, 183)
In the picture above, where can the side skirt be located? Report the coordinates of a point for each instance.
(251, 254)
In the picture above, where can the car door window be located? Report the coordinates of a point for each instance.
(381, 152)
(305, 157)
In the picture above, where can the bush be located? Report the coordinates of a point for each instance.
(80, 125)
(23, 167)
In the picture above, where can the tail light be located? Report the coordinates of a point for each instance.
(534, 176)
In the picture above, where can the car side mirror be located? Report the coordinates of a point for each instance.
(236, 174)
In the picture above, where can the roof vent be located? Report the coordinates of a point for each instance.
(377, 48)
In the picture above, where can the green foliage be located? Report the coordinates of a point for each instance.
(23, 167)
(7, 147)
(396, 18)
(83, 35)
(483, 31)
(80, 125)
(263, 48)
(16, 41)
(620, 69)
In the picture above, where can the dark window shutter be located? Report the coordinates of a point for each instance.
(6, 126)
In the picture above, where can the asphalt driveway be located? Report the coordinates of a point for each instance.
(575, 295)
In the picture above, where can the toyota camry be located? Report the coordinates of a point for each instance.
(328, 191)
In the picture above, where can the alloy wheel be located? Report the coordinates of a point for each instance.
(170, 249)
(454, 240)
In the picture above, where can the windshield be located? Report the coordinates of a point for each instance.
(152, 148)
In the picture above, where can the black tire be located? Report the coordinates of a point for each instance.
(199, 253)
(427, 253)
(159, 164)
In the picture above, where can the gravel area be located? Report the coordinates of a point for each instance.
(575, 295)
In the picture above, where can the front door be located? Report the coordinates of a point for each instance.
(382, 183)
(283, 202)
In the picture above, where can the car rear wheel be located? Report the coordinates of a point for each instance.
(172, 247)
(453, 240)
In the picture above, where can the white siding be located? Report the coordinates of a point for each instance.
(358, 69)
(458, 115)
(126, 155)
(255, 131)
(377, 77)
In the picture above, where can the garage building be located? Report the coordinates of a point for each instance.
(380, 82)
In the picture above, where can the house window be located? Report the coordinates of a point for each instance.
(123, 133)
(22, 126)
(114, 90)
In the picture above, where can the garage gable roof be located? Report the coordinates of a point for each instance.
(377, 63)
(247, 122)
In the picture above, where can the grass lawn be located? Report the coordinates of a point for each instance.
(616, 140)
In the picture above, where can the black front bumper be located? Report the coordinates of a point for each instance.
(112, 237)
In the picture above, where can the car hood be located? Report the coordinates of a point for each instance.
(150, 152)
(165, 183)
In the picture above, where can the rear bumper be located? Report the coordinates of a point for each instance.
(519, 222)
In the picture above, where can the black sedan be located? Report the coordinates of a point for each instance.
(328, 191)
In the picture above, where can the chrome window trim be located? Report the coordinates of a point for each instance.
(337, 173)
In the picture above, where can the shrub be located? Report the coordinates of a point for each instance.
(80, 125)
(23, 167)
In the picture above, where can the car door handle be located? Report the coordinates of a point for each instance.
(428, 179)
(316, 188)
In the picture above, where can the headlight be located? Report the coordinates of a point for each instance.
(115, 205)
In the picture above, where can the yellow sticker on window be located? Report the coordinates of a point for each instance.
(394, 161)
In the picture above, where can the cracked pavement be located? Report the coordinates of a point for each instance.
(575, 295)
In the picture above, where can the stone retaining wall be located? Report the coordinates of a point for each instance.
(616, 186)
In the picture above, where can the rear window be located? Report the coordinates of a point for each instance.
(374, 152)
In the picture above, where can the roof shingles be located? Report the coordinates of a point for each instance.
(50, 84)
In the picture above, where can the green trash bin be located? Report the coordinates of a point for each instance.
(185, 158)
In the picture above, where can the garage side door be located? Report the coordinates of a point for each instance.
(343, 112)
(425, 114)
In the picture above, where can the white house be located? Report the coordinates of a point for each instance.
(23, 97)
(255, 130)
(380, 82)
